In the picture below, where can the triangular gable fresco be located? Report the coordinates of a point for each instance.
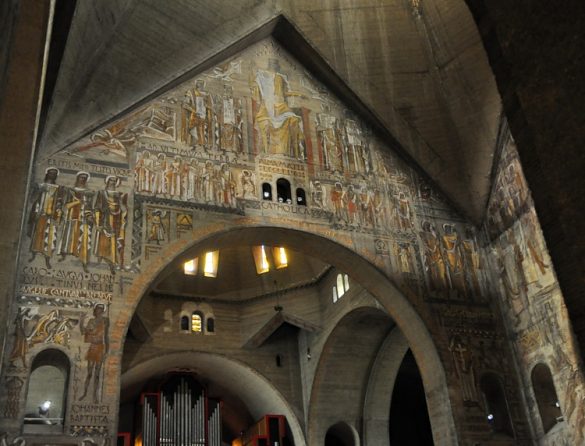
(258, 135)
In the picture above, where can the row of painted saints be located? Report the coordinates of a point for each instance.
(451, 261)
(510, 196)
(77, 221)
(189, 180)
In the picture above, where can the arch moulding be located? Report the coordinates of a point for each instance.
(329, 246)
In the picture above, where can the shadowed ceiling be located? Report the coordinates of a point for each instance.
(419, 66)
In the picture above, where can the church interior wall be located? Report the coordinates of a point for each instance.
(114, 210)
(532, 305)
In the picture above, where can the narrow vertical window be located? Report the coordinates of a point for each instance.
(301, 197)
(346, 281)
(211, 263)
(340, 286)
(280, 257)
(334, 294)
(185, 323)
(266, 191)
(283, 192)
(197, 322)
(260, 259)
(210, 325)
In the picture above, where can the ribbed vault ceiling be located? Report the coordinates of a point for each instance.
(418, 65)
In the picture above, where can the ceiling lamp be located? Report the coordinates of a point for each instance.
(190, 267)
(260, 259)
(210, 264)
(280, 257)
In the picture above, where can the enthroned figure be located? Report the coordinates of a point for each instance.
(280, 128)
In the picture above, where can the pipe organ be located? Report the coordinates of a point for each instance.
(179, 414)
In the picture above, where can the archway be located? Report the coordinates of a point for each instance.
(251, 391)
(409, 421)
(340, 434)
(344, 258)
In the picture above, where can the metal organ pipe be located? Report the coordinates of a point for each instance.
(177, 416)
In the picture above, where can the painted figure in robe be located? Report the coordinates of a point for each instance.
(434, 262)
(157, 230)
(199, 115)
(78, 221)
(144, 172)
(45, 216)
(280, 128)
(110, 215)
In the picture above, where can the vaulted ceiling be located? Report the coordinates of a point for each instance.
(419, 66)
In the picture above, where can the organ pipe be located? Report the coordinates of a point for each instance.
(180, 414)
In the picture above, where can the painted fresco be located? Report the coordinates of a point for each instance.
(219, 141)
(258, 139)
(531, 301)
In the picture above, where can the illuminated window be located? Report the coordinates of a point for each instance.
(190, 267)
(210, 264)
(340, 286)
(280, 257)
(283, 191)
(301, 197)
(260, 259)
(197, 322)
(266, 191)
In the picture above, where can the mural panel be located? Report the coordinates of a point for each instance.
(258, 140)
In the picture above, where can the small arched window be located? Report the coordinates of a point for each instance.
(197, 322)
(185, 323)
(283, 192)
(346, 281)
(266, 191)
(495, 401)
(210, 325)
(546, 396)
(335, 294)
(301, 197)
(46, 398)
